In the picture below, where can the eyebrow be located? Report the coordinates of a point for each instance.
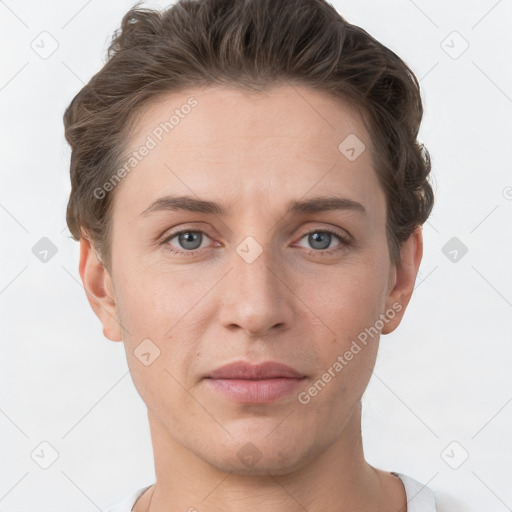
(313, 205)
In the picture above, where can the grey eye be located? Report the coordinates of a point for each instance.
(190, 240)
(320, 239)
(187, 240)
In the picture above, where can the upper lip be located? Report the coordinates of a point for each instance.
(244, 370)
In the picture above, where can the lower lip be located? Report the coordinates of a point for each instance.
(255, 391)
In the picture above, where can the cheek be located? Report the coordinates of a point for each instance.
(349, 305)
(154, 302)
(350, 300)
(163, 319)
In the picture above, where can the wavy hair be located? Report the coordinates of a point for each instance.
(250, 45)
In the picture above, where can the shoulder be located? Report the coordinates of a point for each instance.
(447, 503)
(128, 502)
(421, 498)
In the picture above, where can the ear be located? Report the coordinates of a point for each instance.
(100, 292)
(402, 279)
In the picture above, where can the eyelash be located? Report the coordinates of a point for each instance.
(345, 242)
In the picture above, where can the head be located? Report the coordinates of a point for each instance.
(294, 135)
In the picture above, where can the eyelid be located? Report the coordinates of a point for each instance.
(344, 235)
(178, 229)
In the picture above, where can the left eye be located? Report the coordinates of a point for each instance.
(321, 240)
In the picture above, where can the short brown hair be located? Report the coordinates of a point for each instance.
(250, 45)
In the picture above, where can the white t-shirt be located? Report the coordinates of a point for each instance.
(419, 498)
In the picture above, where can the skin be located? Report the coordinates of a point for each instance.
(253, 153)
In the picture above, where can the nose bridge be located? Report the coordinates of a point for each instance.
(254, 296)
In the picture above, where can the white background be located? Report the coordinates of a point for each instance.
(443, 376)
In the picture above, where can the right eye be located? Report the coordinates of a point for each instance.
(190, 242)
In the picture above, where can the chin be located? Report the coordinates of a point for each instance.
(261, 468)
(261, 457)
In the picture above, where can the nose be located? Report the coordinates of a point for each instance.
(256, 296)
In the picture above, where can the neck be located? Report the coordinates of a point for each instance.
(339, 475)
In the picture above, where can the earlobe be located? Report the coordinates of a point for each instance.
(100, 292)
(406, 271)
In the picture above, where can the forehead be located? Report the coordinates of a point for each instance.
(219, 141)
(221, 115)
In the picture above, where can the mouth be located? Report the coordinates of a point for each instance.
(254, 384)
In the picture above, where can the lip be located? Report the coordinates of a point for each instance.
(254, 384)
(266, 370)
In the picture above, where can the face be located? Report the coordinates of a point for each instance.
(291, 266)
